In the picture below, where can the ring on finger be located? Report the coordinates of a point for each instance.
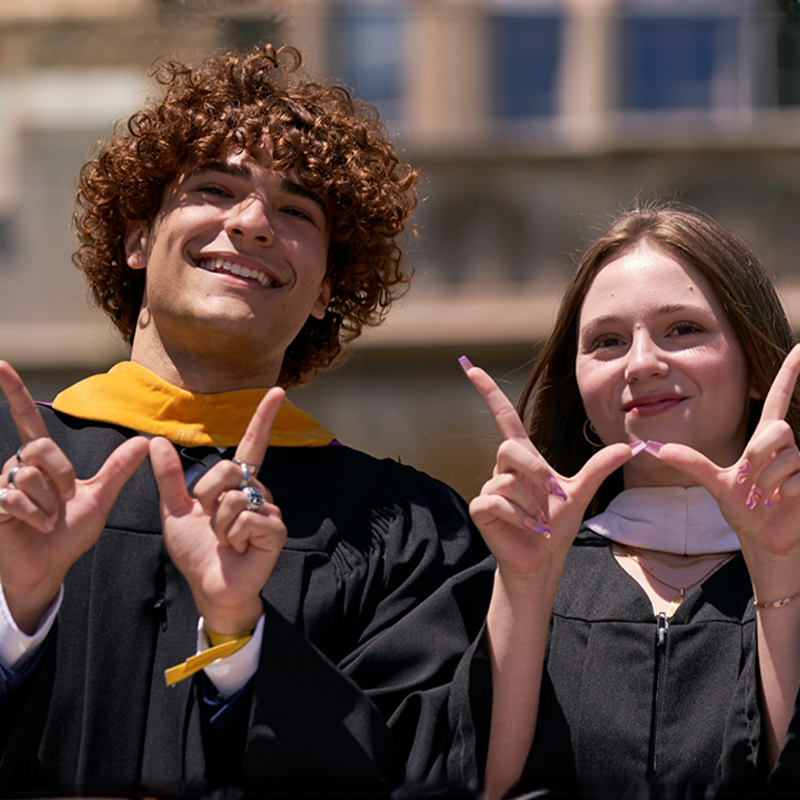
(248, 470)
(3, 512)
(13, 474)
(254, 497)
(19, 453)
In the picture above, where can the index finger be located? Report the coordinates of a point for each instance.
(779, 397)
(254, 443)
(27, 418)
(502, 410)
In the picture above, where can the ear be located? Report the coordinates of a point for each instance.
(753, 393)
(321, 303)
(136, 244)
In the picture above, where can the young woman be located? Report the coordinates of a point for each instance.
(644, 629)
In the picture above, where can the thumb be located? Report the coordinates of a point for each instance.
(689, 461)
(601, 465)
(168, 471)
(118, 469)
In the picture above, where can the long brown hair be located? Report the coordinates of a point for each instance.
(551, 402)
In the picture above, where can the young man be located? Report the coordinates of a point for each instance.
(238, 231)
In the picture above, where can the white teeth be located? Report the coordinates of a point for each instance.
(217, 264)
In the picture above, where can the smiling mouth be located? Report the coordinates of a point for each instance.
(221, 265)
(655, 407)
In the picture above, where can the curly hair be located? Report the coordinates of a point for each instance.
(336, 144)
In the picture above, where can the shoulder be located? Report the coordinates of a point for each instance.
(345, 492)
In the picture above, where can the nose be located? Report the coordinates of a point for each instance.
(249, 220)
(645, 358)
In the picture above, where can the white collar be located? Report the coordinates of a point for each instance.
(672, 519)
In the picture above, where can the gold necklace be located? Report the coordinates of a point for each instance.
(679, 598)
(632, 551)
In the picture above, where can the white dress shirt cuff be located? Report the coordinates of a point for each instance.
(16, 647)
(231, 673)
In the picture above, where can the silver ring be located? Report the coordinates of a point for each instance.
(254, 497)
(12, 474)
(248, 470)
(3, 512)
(19, 453)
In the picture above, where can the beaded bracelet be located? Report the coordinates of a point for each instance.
(778, 603)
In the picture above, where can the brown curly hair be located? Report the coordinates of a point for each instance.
(337, 145)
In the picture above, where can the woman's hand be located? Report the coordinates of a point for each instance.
(527, 513)
(224, 547)
(529, 516)
(759, 496)
(48, 519)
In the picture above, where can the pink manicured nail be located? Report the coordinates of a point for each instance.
(552, 485)
(654, 448)
(744, 470)
(539, 525)
(637, 447)
(754, 496)
(465, 363)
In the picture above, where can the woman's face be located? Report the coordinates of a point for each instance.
(658, 359)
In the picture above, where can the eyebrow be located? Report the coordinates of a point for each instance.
(672, 308)
(287, 185)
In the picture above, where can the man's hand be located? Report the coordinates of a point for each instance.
(48, 519)
(224, 550)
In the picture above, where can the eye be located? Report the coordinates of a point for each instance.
(685, 329)
(214, 190)
(293, 211)
(605, 342)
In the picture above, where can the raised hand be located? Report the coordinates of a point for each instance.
(224, 548)
(48, 519)
(528, 513)
(529, 516)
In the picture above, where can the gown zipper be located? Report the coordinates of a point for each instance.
(662, 626)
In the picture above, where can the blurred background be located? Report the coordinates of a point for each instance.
(533, 121)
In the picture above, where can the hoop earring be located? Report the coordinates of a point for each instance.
(586, 434)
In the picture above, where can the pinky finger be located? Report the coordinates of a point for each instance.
(489, 509)
(263, 530)
(15, 504)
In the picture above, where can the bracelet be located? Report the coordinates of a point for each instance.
(784, 601)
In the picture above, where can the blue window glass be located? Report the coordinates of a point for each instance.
(672, 62)
(367, 54)
(526, 51)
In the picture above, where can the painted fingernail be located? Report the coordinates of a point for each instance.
(539, 525)
(466, 364)
(768, 503)
(654, 448)
(744, 470)
(637, 447)
(552, 484)
(754, 496)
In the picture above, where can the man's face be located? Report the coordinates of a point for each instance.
(235, 260)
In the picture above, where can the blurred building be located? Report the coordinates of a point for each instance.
(532, 120)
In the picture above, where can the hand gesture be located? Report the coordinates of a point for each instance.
(48, 519)
(528, 513)
(223, 545)
(759, 495)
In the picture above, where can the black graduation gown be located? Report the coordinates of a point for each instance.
(361, 640)
(636, 705)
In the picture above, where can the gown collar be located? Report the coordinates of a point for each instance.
(133, 397)
(672, 519)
